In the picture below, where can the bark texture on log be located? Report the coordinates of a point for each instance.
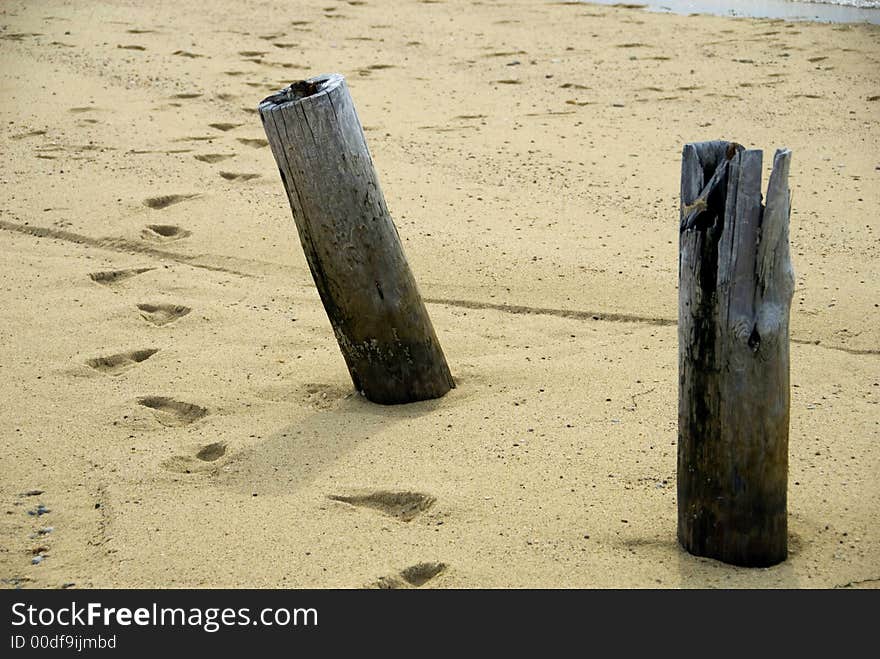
(351, 244)
(735, 288)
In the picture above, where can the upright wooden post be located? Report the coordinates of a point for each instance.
(351, 243)
(735, 289)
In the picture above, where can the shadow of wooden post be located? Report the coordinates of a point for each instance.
(351, 244)
(735, 288)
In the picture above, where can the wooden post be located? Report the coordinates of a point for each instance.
(735, 288)
(351, 244)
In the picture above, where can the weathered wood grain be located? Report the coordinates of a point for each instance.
(351, 244)
(735, 288)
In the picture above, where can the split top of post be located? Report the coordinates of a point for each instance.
(302, 90)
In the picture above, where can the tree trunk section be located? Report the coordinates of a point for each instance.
(351, 244)
(735, 288)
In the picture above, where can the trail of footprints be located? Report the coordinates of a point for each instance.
(405, 506)
(167, 411)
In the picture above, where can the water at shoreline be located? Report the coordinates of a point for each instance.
(867, 11)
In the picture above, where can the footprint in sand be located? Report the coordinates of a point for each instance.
(405, 506)
(252, 53)
(170, 412)
(131, 47)
(163, 233)
(111, 277)
(213, 157)
(158, 203)
(233, 176)
(201, 461)
(119, 363)
(255, 143)
(186, 53)
(32, 133)
(187, 95)
(225, 126)
(374, 67)
(162, 314)
(415, 576)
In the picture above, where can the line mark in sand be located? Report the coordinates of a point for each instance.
(127, 246)
(111, 277)
(859, 582)
(612, 317)
(415, 576)
(405, 506)
(851, 351)
(164, 233)
(118, 245)
(562, 313)
(121, 362)
(170, 412)
(158, 203)
(162, 314)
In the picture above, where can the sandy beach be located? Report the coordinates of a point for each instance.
(176, 411)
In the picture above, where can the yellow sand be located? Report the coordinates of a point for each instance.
(529, 153)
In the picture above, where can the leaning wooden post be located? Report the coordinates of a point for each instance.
(735, 289)
(351, 244)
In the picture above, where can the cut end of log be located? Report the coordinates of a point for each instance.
(300, 90)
